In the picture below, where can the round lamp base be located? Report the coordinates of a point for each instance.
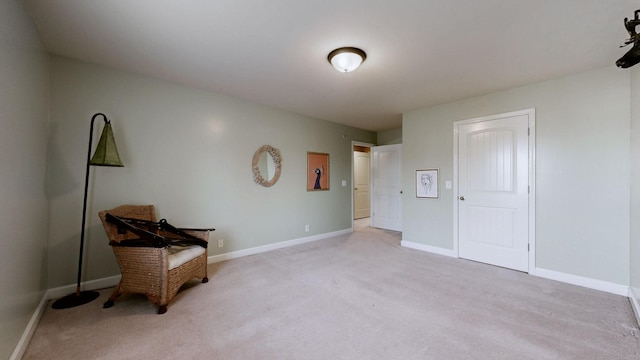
(75, 299)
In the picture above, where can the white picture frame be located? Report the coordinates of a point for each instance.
(427, 184)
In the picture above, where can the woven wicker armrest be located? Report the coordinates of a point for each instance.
(186, 242)
(197, 235)
(146, 243)
(202, 234)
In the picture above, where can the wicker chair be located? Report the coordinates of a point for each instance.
(155, 258)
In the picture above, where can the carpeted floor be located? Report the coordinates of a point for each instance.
(357, 296)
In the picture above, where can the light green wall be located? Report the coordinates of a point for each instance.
(635, 180)
(23, 138)
(390, 137)
(582, 170)
(189, 152)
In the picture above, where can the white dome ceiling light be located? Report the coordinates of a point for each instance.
(346, 59)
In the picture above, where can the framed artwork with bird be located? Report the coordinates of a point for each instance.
(317, 171)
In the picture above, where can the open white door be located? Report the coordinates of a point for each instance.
(493, 190)
(386, 199)
(361, 180)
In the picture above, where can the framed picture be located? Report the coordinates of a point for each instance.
(317, 171)
(427, 183)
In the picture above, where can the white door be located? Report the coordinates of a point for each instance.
(361, 194)
(387, 187)
(493, 195)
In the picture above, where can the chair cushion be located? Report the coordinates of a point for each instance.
(179, 255)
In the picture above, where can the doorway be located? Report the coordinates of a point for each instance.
(386, 175)
(494, 197)
(377, 193)
(361, 190)
(361, 182)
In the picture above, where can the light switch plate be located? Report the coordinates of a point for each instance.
(344, 182)
(447, 184)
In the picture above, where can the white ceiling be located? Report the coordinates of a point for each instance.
(274, 52)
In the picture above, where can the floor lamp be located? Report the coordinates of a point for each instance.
(106, 155)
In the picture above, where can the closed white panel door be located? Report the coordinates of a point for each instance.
(361, 193)
(493, 173)
(387, 191)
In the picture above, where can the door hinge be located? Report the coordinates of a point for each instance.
(528, 131)
(529, 189)
(528, 247)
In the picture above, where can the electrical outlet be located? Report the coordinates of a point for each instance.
(220, 243)
(306, 228)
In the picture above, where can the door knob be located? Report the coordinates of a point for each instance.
(462, 198)
(355, 189)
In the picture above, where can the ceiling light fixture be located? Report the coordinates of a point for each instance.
(346, 59)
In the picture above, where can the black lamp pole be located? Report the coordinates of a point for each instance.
(83, 297)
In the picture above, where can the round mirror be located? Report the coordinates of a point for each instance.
(266, 165)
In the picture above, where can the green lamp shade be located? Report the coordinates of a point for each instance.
(106, 152)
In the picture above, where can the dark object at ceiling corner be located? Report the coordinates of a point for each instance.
(632, 56)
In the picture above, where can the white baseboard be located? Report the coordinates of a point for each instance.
(58, 292)
(600, 285)
(21, 347)
(260, 249)
(634, 298)
(51, 294)
(61, 291)
(428, 248)
(605, 286)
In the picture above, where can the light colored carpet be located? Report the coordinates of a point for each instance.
(358, 296)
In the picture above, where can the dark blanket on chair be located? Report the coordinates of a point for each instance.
(148, 233)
